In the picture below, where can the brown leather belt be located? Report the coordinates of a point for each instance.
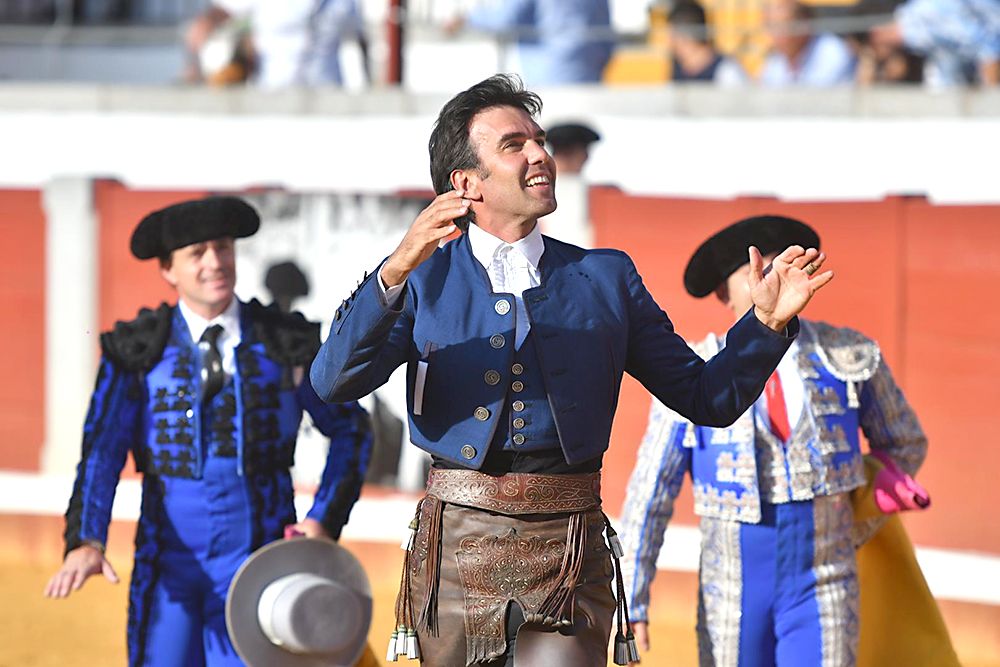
(517, 493)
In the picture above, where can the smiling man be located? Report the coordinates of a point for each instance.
(208, 396)
(515, 346)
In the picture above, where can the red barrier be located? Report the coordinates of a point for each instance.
(919, 278)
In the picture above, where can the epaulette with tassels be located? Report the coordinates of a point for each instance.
(137, 345)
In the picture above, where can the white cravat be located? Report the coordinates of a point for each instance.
(512, 267)
(230, 337)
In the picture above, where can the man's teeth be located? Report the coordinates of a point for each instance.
(538, 180)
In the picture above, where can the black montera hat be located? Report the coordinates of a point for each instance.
(163, 231)
(286, 279)
(717, 258)
(570, 134)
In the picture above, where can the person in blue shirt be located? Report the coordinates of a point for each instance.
(798, 57)
(960, 38)
(558, 41)
(208, 396)
(515, 345)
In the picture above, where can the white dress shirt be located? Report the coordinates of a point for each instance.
(792, 387)
(511, 267)
(230, 337)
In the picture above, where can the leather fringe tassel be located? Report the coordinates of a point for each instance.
(403, 641)
(626, 651)
(557, 607)
(427, 621)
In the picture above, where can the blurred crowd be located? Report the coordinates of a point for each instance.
(772, 43)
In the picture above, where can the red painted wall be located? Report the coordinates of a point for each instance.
(919, 278)
(22, 319)
(126, 283)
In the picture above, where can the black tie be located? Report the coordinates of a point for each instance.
(212, 376)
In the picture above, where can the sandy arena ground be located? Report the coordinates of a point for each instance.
(88, 630)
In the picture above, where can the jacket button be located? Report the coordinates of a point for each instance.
(518, 439)
(517, 385)
(481, 413)
(492, 377)
(518, 406)
(518, 423)
(502, 307)
(517, 369)
(468, 452)
(497, 341)
(189, 413)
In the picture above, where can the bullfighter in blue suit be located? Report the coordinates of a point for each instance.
(515, 346)
(208, 396)
(778, 575)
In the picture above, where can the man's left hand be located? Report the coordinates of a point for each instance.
(306, 528)
(780, 294)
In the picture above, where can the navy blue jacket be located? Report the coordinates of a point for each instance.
(592, 319)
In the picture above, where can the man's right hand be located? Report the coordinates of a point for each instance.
(434, 223)
(641, 631)
(80, 564)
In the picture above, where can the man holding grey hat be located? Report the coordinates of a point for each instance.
(778, 574)
(207, 395)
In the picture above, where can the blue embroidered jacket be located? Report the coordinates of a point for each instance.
(847, 387)
(145, 402)
(592, 320)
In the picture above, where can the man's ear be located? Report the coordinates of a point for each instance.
(467, 181)
(722, 293)
(167, 272)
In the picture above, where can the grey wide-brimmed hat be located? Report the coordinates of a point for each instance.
(301, 602)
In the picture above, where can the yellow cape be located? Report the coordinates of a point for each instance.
(900, 620)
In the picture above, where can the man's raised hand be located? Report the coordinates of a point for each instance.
(780, 294)
(434, 223)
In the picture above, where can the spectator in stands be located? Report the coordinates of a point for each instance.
(559, 41)
(960, 38)
(799, 57)
(569, 144)
(884, 63)
(297, 42)
(693, 54)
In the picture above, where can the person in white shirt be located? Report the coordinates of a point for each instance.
(295, 42)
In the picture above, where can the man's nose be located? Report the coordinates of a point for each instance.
(536, 152)
(211, 258)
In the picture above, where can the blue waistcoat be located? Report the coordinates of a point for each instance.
(592, 320)
(146, 402)
(526, 424)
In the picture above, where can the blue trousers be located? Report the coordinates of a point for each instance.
(204, 538)
(782, 592)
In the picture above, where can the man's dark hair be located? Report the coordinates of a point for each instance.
(449, 146)
(688, 18)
